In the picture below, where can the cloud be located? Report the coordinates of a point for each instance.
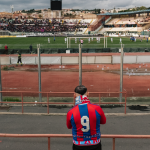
(80, 4)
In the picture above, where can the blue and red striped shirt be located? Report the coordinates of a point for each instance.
(85, 120)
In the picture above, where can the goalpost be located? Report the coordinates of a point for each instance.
(69, 40)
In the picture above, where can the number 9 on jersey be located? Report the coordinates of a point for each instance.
(85, 123)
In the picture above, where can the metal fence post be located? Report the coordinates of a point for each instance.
(39, 72)
(1, 98)
(121, 73)
(22, 102)
(47, 104)
(80, 65)
(113, 143)
(67, 42)
(104, 40)
(125, 102)
(48, 143)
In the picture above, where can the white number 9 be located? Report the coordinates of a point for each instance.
(86, 123)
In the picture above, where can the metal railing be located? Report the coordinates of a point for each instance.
(70, 136)
(66, 103)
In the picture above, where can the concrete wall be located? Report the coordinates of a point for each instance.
(103, 60)
(25, 60)
(5, 60)
(49, 60)
(70, 60)
(127, 59)
(143, 59)
(75, 60)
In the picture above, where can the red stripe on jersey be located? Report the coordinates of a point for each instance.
(77, 119)
(92, 118)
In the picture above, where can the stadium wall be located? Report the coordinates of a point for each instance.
(69, 60)
(127, 59)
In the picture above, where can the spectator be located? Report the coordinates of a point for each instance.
(84, 119)
(35, 25)
(30, 49)
(6, 49)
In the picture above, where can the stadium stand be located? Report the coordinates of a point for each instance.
(130, 22)
(34, 25)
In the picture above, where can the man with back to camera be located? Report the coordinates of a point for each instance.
(84, 119)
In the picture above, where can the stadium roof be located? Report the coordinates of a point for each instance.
(127, 13)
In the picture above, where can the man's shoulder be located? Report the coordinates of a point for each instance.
(94, 105)
(72, 109)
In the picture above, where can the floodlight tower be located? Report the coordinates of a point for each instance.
(12, 8)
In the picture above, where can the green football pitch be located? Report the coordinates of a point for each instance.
(24, 43)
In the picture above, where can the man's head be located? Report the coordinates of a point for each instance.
(80, 90)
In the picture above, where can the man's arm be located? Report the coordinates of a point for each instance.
(103, 118)
(68, 122)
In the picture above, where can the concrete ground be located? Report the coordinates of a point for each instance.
(40, 124)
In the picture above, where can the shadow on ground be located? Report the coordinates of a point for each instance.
(138, 107)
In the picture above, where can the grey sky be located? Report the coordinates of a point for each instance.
(81, 4)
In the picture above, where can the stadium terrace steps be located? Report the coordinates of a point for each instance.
(86, 31)
(136, 29)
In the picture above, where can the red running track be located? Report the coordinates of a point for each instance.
(67, 78)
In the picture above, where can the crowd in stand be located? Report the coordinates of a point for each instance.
(39, 25)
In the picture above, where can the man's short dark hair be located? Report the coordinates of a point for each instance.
(81, 89)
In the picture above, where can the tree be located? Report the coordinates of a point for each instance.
(99, 11)
(23, 11)
(143, 8)
(40, 16)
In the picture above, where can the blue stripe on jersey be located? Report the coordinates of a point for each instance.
(74, 129)
(84, 112)
(98, 117)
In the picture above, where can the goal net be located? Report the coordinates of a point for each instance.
(88, 42)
